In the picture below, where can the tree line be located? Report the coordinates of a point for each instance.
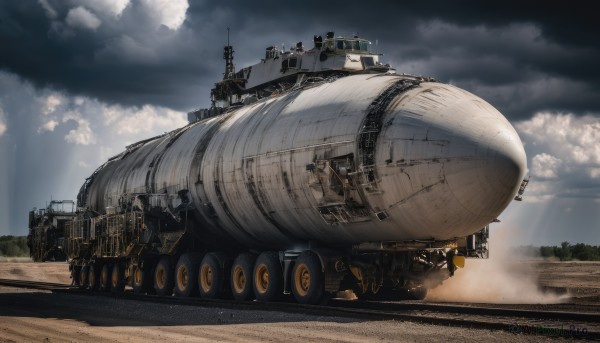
(565, 251)
(14, 246)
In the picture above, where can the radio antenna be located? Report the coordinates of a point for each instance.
(228, 56)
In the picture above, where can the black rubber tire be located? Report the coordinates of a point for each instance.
(241, 277)
(307, 279)
(267, 277)
(186, 275)
(163, 277)
(75, 272)
(142, 282)
(105, 274)
(94, 276)
(211, 277)
(117, 278)
(83, 277)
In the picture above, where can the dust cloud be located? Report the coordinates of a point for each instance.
(503, 278)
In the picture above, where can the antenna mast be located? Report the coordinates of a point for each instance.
(228, 56)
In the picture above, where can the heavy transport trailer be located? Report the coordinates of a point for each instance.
(47, 230)
(119, 256)
(377, 183)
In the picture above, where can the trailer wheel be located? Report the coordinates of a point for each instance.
(141, 279)
(84, 277)
(241, 277)
(75, 275)
(105, 277)
(163, 277)
(117, 278)
(211, 277)
(267, 277)
(186, 274)
(94, 276)
(307, 279)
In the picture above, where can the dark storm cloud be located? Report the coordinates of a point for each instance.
(486, 46)
(76, 75)
(126, 60)
(482, 46)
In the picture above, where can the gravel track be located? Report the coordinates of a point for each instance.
(33, 315)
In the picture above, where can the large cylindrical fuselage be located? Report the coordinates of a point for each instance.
(365, 158)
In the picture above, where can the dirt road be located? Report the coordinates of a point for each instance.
(53, 317)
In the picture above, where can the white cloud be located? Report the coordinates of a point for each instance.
(81, 17)
(80, 142)
(170, 13)
(48, 126)
(545, 166)
(2, 122)
(573, 139)
(110, 7)
(50, 12)
(51, 103)
(564, 152)
(83, 164)
(539, 191)
(78, 100)
(83, 134)
(133, 121)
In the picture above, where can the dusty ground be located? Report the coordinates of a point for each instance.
(24, 269)
(43, 316)
(581, 280)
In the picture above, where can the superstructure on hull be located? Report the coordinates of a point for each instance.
(281, 70)
(324, 171)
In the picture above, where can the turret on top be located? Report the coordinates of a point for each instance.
(280, 70)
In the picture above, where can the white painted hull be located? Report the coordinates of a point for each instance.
(446, 163)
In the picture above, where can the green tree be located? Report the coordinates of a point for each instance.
(565, 251)
(584, 252)
(12, 246)
(547, 252)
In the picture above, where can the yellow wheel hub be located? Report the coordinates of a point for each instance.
(206, 278)
(262, 278)
(160, 277)
(302, 279)
(115, 276)
(182, 277)
(239, 280)
(137, 276)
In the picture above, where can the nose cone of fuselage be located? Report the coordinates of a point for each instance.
(453, 162)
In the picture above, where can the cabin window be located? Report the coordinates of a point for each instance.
(367, 61)
(355, 45)
(293, 63)
(284, 65)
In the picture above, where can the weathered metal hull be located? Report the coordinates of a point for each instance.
(339, 163)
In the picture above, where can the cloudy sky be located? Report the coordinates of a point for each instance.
(80, 80)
